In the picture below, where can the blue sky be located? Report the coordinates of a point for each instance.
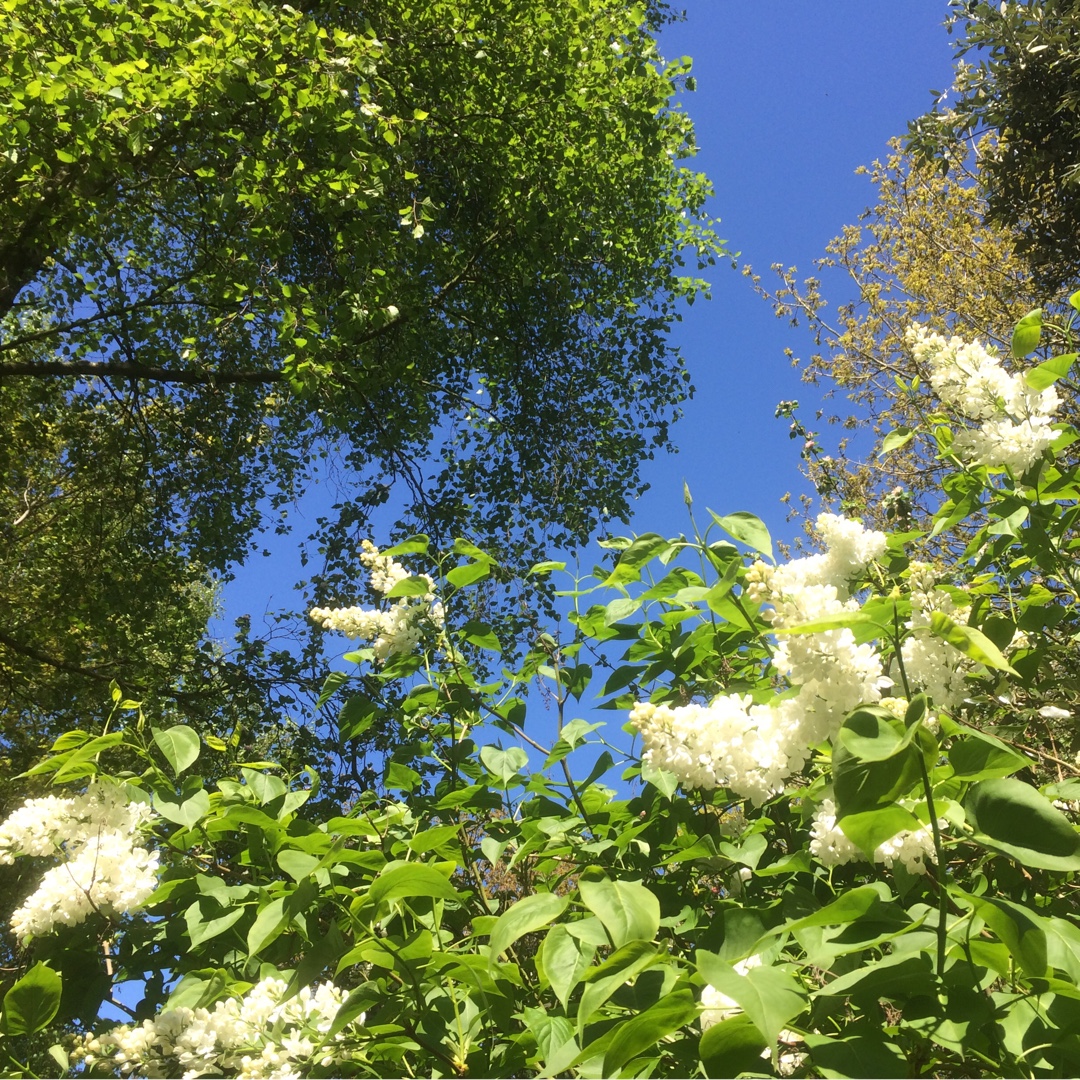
(791, 98)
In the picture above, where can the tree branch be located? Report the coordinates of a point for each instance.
(113, 370)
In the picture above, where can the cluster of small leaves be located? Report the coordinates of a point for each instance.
(261, 225)
(1018, 77)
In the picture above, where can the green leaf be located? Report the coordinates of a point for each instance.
(1049, 371)
(847, 908)
(616, 971)
(411, 880)
(646, 1030)
(865, 785)
(400, 776)
(33, 1001)
(620, 608)
(865, 1053)
(1010, 524)
(901, 436)
(297, 864)
(356, 716)
(1011, 817)
(747, 529)
(847, 620)
(435, 838)
(554, 1037)
(628, 910)
(461, 576)
(665, 782)
(481, 635)
(330, 686)
(1074, 301)
(202, 926)
(968, 640)
(179, 744)
(505, 765)
(1026, 336)
(978, 756)
(872, 828)
(769, 996)
(415, 545)
(872, 733)
(570, 738)
(413, 585)
(565, 959)
(633, 557)
(898, 975)
(528, 914)
(733, 1047)
(603, 764)
(268, 925)
(546, 567)
(1017, 927)
(187, 812)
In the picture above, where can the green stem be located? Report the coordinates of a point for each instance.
(928, 791)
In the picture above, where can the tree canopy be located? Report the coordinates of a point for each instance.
(375, 224)
(439, 245)
(1018, 77)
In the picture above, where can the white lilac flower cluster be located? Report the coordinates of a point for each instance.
(752, 749)
(258, 1037)
(930, 664)
(1015, 420)
(395, 631)
(830, 846)
(102, 868)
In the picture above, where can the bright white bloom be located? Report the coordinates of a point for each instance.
(753, 749)
(930, 664)
(1052, 712)
(831, 847)
(731, 743)
(102, 868)
(911, 847)
(1015, 420)
(258, 1037)
(936, 668)
(828, 842)
(385, 573)
(393, 632)
(107, 875)
(49, 825)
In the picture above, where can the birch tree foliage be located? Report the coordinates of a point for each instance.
(923, 252)
(434, 248)
(266, 226)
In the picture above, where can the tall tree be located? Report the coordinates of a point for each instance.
(443, 241)
(1018, 77)
(275, 225)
